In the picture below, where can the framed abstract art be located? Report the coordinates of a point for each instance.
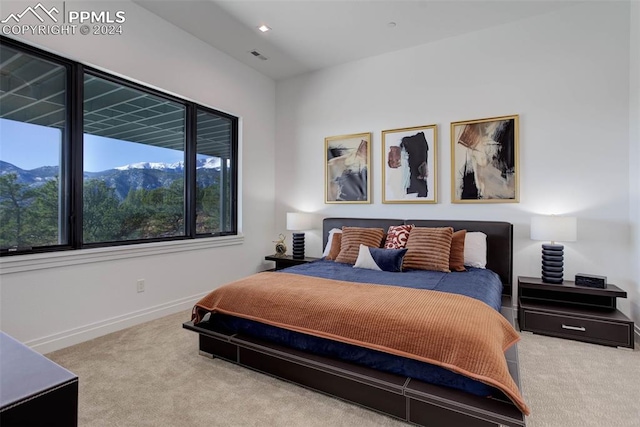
(409, 165)
(484, 160)
(347, 168)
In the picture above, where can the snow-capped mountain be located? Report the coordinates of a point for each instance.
(151, 165)
(208, 163)
(135, 176)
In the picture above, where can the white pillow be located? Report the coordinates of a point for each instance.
(365, 260)
(328, 247)
(475, 249)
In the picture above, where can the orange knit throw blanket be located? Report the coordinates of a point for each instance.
(456, 332)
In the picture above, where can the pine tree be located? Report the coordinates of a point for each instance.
(42, 218)
(14, 202)
(101, 216)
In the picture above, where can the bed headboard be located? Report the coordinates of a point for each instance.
(499, 238)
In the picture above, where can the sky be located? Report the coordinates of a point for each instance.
(29, 146)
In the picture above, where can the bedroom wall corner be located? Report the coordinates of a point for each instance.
(634, 157)
(77, 300)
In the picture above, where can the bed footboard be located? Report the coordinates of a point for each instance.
(397, 396)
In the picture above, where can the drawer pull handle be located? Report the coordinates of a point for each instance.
(574, 328)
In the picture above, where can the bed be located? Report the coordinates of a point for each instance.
(403, 387)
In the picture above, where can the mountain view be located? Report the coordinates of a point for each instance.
(123, 179)
(130, 202)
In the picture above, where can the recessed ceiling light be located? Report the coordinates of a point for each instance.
(264, 28)
(391, 24)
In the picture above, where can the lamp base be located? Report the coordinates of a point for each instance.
(552, 263)
(298, 246)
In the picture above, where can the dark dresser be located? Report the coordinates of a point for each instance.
(34, 391)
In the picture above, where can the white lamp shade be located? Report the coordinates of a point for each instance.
(554, 228)
(298, 221)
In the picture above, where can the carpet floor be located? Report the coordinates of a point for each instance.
(152, 375)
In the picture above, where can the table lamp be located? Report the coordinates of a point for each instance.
(298, 222)
(553, 229)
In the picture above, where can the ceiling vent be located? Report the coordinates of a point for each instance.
(258, 55)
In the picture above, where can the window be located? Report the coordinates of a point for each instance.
(134, 145)
(33, 135)
(88, 159)
(214, 174)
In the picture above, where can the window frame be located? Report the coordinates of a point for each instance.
(233, 196)
(72, 155)
(67, 163)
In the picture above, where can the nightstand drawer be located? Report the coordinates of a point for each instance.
(592, 330)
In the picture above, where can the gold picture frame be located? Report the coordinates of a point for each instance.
(410, 165)
(485, 160)
(347, 168)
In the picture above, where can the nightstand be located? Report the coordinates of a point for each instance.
(288, 261)
(568, 311)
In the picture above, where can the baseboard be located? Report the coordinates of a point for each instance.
(94, 330)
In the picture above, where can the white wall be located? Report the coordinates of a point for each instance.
(55, 307)
(566, 74)
(634, 153)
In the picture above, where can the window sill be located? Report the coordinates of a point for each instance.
(18, 264)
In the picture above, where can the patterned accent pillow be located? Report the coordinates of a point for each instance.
(380, 259)
(456, 255)
(429, 249)
(397, 236)
(353, 237)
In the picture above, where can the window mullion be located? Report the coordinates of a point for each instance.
(190, 171)
(234, 177)
(75, 154)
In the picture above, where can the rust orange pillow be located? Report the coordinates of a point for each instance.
(353, 237)
(456, 255)
(336, 243)
(429, 249)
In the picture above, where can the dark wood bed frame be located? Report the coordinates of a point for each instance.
(394, 395)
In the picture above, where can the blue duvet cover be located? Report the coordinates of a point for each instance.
(480, 284)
